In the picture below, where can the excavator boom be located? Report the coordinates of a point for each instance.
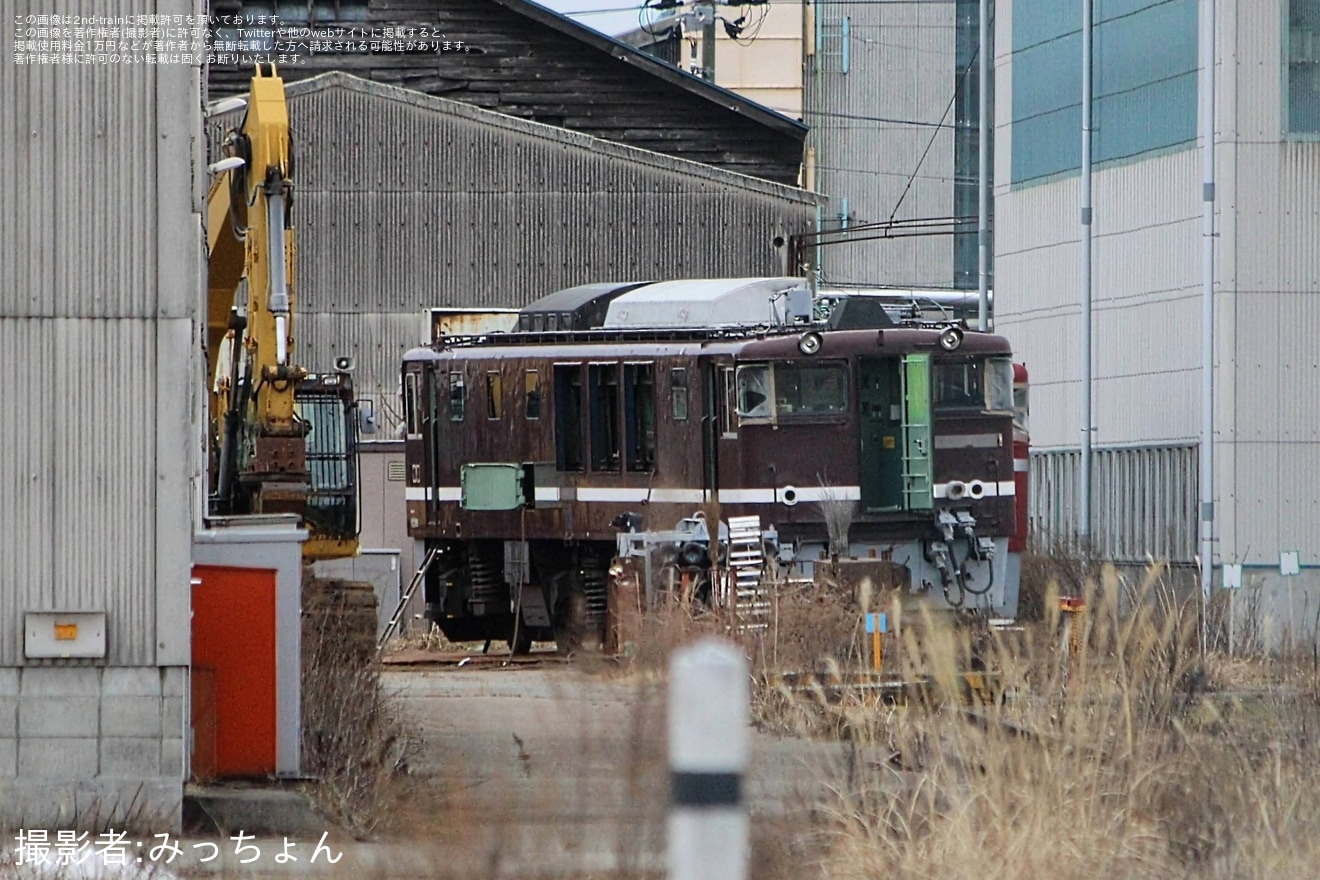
(270, 413)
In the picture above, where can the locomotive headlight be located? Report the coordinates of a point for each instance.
(809, 343)
(951, 338)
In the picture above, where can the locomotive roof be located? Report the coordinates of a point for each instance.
(571, 298)
(703, 302)
(749, 344)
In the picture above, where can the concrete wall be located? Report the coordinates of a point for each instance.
(100, 295)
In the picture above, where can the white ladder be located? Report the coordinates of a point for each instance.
(416, 582)
(751, 604)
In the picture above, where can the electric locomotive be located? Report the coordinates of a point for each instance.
(702, 432)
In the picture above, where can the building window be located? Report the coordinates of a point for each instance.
(568, 417)
(494, 395)
(1144, 77)
(532, 393)
(1303, 66)
(603, 380)
(457, 396)
(678, 393)
(639, 415)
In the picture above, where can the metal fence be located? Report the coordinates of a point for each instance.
(1143, 501)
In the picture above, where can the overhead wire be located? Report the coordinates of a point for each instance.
(930, 143)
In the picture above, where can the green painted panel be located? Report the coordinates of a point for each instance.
(918, 486)
(491, 487)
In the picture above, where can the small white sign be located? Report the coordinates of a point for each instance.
(1233, 576)
(1289, 563)
(63, 634)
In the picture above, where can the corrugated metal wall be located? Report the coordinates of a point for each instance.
(405, 202)
(1147, 307)
(870, 126)
(100, 286)
(1144, 502)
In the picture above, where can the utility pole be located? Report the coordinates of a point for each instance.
(702, 17)
(708, 46)
(1084, 471)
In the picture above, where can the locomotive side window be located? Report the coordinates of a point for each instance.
(532, 393)
(811, 388)
(457, 395)
(678, 393)
(755, 392)
(568, 417)
(729, 412)
(999, 384)
(411, 414)
(494, 395)
(979, 384)
(639, 415)
(603, 380)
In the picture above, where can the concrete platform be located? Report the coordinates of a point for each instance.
(278, 809)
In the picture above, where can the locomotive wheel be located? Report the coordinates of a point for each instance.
(569, 623)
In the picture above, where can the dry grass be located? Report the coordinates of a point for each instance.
(1128, 758)
(354, 740)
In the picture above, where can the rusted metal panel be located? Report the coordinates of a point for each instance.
(470, 322)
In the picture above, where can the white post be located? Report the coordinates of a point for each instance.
(709, 743)
(1207, 456)
(1084, 472)
(983, 178)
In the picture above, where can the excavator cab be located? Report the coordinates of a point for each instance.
(326, 405)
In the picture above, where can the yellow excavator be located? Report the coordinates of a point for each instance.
(283, 439)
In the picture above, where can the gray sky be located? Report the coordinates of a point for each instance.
(608, 22)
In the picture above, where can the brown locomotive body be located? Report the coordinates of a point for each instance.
(535, 461)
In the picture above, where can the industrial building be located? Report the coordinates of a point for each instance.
(891, 94)
(1147, 198)
(507, 211)
(101, 273)
(521, 59)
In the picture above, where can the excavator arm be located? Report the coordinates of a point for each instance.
(262, 437)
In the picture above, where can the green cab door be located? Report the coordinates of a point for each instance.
(879, 398)
(918, 489)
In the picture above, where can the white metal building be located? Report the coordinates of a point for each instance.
(100, 295)
(1147, 275)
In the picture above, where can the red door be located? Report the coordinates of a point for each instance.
(233, 680)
